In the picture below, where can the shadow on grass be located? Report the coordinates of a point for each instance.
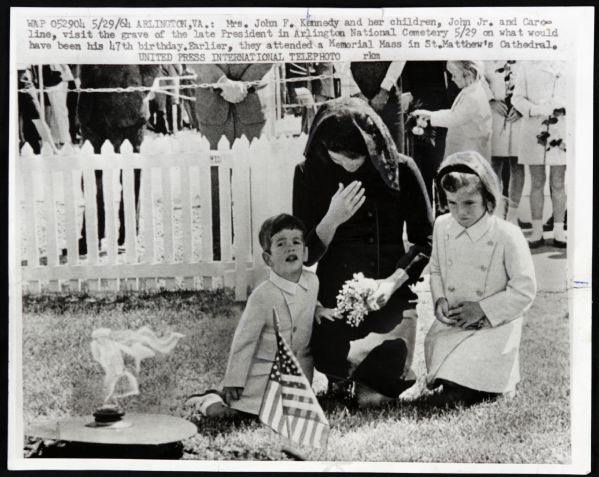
(347, 415)
(215, 427)
(215, 302)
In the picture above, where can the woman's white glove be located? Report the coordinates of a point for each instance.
(385, 289)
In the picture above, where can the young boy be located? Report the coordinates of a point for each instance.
(292, 291)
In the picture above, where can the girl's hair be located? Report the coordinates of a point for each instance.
(474, 69)
(340, 134)
(453, 181)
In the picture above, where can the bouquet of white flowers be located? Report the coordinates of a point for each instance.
(352, 300)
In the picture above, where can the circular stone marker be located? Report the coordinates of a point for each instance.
(143, 429)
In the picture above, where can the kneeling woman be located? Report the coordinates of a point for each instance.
(355, 192)
(482, 282)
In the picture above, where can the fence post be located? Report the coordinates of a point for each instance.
(241, 215)
(29, 214)
(185, 151)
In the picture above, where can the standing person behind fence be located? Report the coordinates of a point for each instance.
(232, 108)
(355, 192)
(540, 95)
(308, 92)
(378, 83)
(428, 84)
(114, 116)
(292, 291)
(482, 281)
(501, 77)
(57, 114)
(468, 122)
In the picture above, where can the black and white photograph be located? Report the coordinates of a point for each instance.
(338, 264)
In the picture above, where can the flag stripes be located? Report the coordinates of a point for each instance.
(289, 406)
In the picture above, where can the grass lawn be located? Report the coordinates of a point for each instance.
(61, 379)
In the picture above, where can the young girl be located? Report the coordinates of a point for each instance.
(468, 122)
(482, 282)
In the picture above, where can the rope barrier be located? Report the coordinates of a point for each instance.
(165, 88)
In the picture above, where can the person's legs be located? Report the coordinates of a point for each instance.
(60, 114)
(497, 165)
(537, 185)
(392, 117)
(330, 346)
(557, 176)
(386, 371)
(515, 189)
(428, 158)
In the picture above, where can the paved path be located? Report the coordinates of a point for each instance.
(551, 266)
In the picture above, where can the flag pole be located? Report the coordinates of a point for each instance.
(275, 319)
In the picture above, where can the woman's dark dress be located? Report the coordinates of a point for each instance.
(370, 242)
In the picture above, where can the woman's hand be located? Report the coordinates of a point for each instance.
(232, 91)
(326, 313)
(386, 288)
(467, 314)
(513, 115)
(499, 107)
(422, 113)
(345, 203)
(442, 312)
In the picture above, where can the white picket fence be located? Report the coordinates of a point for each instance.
(173, 248)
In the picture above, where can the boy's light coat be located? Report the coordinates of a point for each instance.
(254, 344)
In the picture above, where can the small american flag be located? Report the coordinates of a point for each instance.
(289, 406)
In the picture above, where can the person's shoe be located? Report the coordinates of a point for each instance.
(524, 225)
(536, 243)
(559, 243)
(340, 390)
(548, 226)
(205, 402)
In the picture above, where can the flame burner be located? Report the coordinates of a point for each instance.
(110, 417)
(140, 436)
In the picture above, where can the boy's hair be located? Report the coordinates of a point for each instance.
(473, 68)
(274, 225)
(452, 181)
(340, 134)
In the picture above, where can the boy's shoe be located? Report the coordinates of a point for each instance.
(204, 401)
